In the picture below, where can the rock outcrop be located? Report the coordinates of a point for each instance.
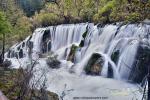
(141, 64)
(52, 62)
(71, 55)
(94, 65)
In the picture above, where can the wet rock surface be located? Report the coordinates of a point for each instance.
(6, 64)
(115, 56)
(46, 41)
(53, 63)
(141, 64)
(71, 55)
(110, 73)
(94, 65)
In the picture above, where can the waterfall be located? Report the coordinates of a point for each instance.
(117, 44)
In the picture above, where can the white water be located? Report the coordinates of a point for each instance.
(103, 40)
(62, 81)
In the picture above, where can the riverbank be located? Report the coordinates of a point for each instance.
(9, 85)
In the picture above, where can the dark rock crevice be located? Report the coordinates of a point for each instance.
(140, 66)
(46, 44)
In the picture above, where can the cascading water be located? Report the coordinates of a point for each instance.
(118, 45)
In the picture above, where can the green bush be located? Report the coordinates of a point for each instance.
(133, 17)
(46, 19)
(23, 28)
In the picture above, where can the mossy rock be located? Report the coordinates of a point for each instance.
(83, 36)
(81, 43)
(94, 65)
(71, 55)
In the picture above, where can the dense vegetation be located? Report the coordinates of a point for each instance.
(14, 83)
(23, 16)
(105, 11)
(30, 6)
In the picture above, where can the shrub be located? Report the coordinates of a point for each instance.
(46, 19)
(133, 17)
(23, 27)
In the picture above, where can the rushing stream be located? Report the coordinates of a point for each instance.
(96, 60)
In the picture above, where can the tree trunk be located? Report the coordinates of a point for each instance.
(3, 50)
(97, 5)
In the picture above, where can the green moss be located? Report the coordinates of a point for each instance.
(74, 48)
(72, 53)
(94, 65)
(84, 34)
(82, 41)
